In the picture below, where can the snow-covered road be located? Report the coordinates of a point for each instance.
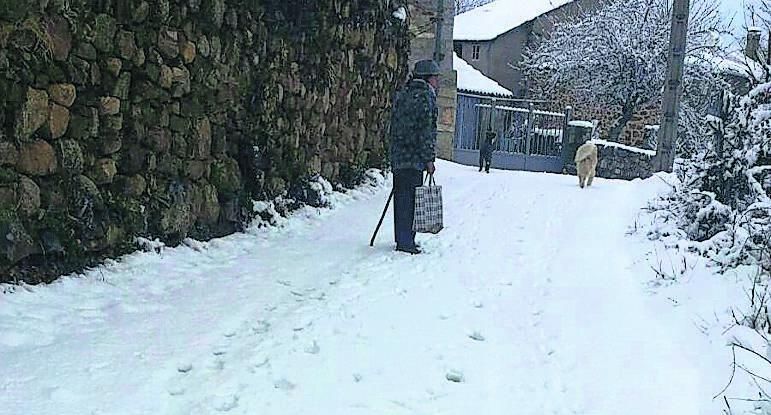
(534, 295)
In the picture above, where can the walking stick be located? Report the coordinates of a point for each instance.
(385, 209)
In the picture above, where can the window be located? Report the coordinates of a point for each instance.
(475, 49)
(458, 49)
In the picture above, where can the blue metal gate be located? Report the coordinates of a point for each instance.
(527, 138)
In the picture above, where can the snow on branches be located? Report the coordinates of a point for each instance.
(615, 56)
(722, 204)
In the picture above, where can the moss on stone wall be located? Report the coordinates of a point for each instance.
(165, 118)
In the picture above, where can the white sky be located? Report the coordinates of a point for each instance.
(734, 10)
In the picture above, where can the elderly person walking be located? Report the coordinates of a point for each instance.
(413, 143)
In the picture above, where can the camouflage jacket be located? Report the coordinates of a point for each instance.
(413, 126)
(486, 144)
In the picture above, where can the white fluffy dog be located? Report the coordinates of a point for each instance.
(586, 164)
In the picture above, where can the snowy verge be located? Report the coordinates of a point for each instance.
(728, 297)
(279, 212)
(273, 216)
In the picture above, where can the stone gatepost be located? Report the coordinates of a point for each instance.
(578, 132)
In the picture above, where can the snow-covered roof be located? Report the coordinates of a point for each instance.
(494, 19)
(471, 80)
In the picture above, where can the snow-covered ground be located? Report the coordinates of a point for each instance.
(534, 297)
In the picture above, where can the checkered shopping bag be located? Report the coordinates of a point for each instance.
(428, 208)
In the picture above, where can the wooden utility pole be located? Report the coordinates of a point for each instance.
(438, 44)
(673, 89)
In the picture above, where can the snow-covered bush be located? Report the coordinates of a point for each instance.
(721, 202)
(720, 210)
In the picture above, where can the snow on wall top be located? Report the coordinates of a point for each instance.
(579, 123)
(471, 80)
(494, 19)
(623, 147)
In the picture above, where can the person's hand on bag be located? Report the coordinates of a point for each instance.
(430, 168)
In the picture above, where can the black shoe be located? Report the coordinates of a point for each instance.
(414, 250)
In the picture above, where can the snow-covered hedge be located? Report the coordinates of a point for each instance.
(720, 204)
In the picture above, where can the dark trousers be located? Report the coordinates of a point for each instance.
(405, 182)
(485, 156)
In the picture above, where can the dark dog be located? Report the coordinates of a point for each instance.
(486, 151)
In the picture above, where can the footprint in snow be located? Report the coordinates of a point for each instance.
(284, 384)
(184, 367)
(261, 327)
(478, 304)
(225, 403)
(220, 349)
(176, 390)
(455, 376)
(303, 326)
(216, 364)
(313, 348)
(320, 297)
(260, 363)
(477, 336)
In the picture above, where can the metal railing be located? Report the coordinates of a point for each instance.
(520, 128)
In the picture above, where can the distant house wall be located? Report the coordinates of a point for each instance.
(465, 50)
(496, 57)
(500, 57)
(506, 54)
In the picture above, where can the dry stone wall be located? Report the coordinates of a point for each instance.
(166, 118)
(633, 134)
(621, 162)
